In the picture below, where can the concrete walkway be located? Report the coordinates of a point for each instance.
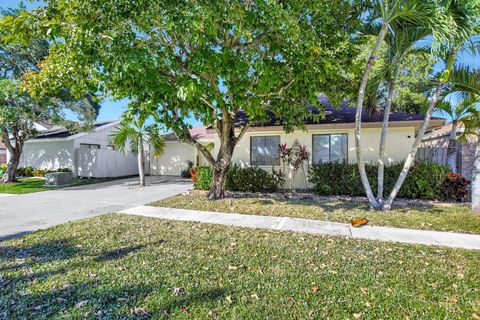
(447, 239)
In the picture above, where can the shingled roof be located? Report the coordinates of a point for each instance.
(341, 115)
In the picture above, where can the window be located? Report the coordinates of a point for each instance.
(330, 148)
(264, 150)
(110, 147)
(89, 146)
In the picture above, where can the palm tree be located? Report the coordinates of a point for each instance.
(458, 112)
(383, 14)
(463, 24)
(401, 42)
(135, 132)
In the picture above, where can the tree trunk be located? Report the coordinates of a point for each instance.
(141, 163)
(476, 181)
(15, 154)
(12, 165)
(452, 149)
(358, 117)
(411, 156)
(383, 141)
(219, 176)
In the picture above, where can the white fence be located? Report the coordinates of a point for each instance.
(95, 163)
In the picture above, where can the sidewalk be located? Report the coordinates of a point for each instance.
(447, 239)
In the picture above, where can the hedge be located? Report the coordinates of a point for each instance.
(425, 180)
(36, 172)
(249, 179)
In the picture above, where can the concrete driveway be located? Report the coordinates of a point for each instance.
(21, 214)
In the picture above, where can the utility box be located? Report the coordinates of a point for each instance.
(55, 179)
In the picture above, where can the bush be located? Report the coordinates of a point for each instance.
(202, 178)
(253, 179)
(249, 179)
(424, 181)
(3, 169)
(186, 173)
(36, 172)
(454, 188)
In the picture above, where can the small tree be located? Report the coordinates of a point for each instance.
(227, 63)
(133, 131)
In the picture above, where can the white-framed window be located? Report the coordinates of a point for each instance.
(264, 150)
(89, 146)
(330, 148)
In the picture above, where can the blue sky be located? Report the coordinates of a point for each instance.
(112, 109)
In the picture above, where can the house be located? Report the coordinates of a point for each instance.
(87, 154)
(3, 153)
(434, 149)
(330, 139)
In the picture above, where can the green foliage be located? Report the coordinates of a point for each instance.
(202, 179)
(3, 168)
(186, 172)
(248, 179)
(424, 181)
(253, 179)
(37, 172)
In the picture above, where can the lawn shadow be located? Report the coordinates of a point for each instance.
(118, 253)
(44, 252)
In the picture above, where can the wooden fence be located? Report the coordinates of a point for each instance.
(435, 155)
(98, 163)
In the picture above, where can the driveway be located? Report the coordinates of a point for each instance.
(21, 214)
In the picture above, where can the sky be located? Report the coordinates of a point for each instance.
(112, 110)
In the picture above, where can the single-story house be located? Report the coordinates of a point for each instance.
(434, 148)
(87, 154)
(3, 153)
(330, 139)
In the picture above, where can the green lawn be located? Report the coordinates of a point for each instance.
(442, 218)
(29, 185)
(118, 266)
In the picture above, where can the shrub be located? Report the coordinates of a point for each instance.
(3, 169)
(454, 188)
(186, 173)
(424, 181)
(249, 179)
(25, 172)
(203, 178)
(37, 172)
(253, 179)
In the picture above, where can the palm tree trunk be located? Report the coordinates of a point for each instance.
(411, 156)
(383, 141)
(452, 148)
(141, 162)
(358, 117)
(476, 181)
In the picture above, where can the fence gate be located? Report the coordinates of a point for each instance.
(98, 163)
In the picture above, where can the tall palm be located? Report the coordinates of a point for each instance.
(459, 112)
(384, 13)
(463, 23)
(401, 42)
(134, 132)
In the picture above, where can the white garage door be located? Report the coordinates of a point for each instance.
(174, 160)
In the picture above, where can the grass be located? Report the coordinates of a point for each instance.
(30, 185)
(441, 218)
(117, 266)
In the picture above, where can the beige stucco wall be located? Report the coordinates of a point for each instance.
(399, 142)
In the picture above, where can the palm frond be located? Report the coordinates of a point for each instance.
(156, 140)
(122, 136)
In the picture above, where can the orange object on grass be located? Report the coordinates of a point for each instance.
(359, 222)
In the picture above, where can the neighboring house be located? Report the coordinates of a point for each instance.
(177, 154)
(3, 153)
(87, 154)
(332, 139)
(434, 148)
